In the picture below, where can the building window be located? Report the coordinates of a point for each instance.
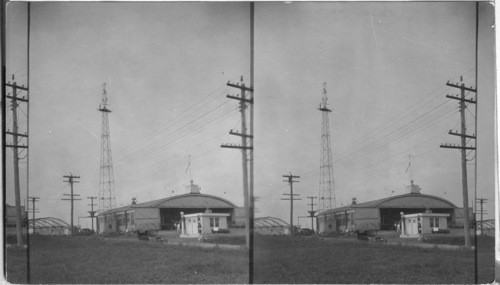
(434, 222)
(110, 226)
(216, 222)
(211, 222)
(330, 226)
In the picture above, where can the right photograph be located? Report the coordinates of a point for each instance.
(375, 143)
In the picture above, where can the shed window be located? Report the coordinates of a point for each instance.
(214, 222)
(434, 222)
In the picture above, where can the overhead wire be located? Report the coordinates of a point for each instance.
(418, 105)
(184, 150)
(178, 129)
(403, 131)
(154, 146)
(193, 109)
(165, 127)
(438, 114)
(153, 165)
(96, 171)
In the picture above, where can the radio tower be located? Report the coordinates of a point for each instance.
(326, 183)
(107, 179)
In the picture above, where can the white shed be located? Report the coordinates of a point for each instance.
(203, 223)
(414, 225)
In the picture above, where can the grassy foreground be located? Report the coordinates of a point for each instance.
(284, 259)
(66, 260)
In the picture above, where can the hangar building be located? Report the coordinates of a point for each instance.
(162, 214)
(384, 213)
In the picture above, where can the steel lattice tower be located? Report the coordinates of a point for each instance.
(326, 181)
(107, 180)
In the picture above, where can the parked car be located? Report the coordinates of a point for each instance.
(86, 232)
(306, 232)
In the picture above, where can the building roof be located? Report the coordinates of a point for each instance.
(189, 200)
(207, 215)
(426, 215)
(117, 210)
(410, 200)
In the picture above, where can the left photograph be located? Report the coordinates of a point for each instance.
(128, 142)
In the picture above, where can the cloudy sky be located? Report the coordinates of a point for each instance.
(166, 66)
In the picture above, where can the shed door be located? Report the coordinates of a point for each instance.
(194, 226)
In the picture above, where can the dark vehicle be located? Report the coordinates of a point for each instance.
(220, 231)
(306, 232)
(86, 232)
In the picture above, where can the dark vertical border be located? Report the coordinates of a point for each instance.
(28, 268)
(252, 104)
(476, 280)
(3, 101)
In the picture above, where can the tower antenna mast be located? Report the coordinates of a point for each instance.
(409, 168)
(189, 167)
(326, 184)
(107, 198)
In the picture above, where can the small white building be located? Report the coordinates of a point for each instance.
(203, 223)
(415, 225)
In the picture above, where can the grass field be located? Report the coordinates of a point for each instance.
(284, 259)
(64, 260)
(277, 259)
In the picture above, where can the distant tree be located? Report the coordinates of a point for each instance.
(354, 201)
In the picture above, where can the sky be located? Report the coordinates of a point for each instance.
(166, 65)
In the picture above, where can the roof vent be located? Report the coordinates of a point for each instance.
(414, 188)
(193, 188)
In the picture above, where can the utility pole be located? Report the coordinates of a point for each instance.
(16, 137)
(244, 147)
(34, 210)
(481, 201)
(71, 180)
(311, 213)
(463, 147)
(292, 197)
(92, 212)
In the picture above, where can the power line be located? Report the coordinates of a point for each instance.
(417, 107)
(192, 110)
(391, 140)
(152, 146)
(403, 130)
